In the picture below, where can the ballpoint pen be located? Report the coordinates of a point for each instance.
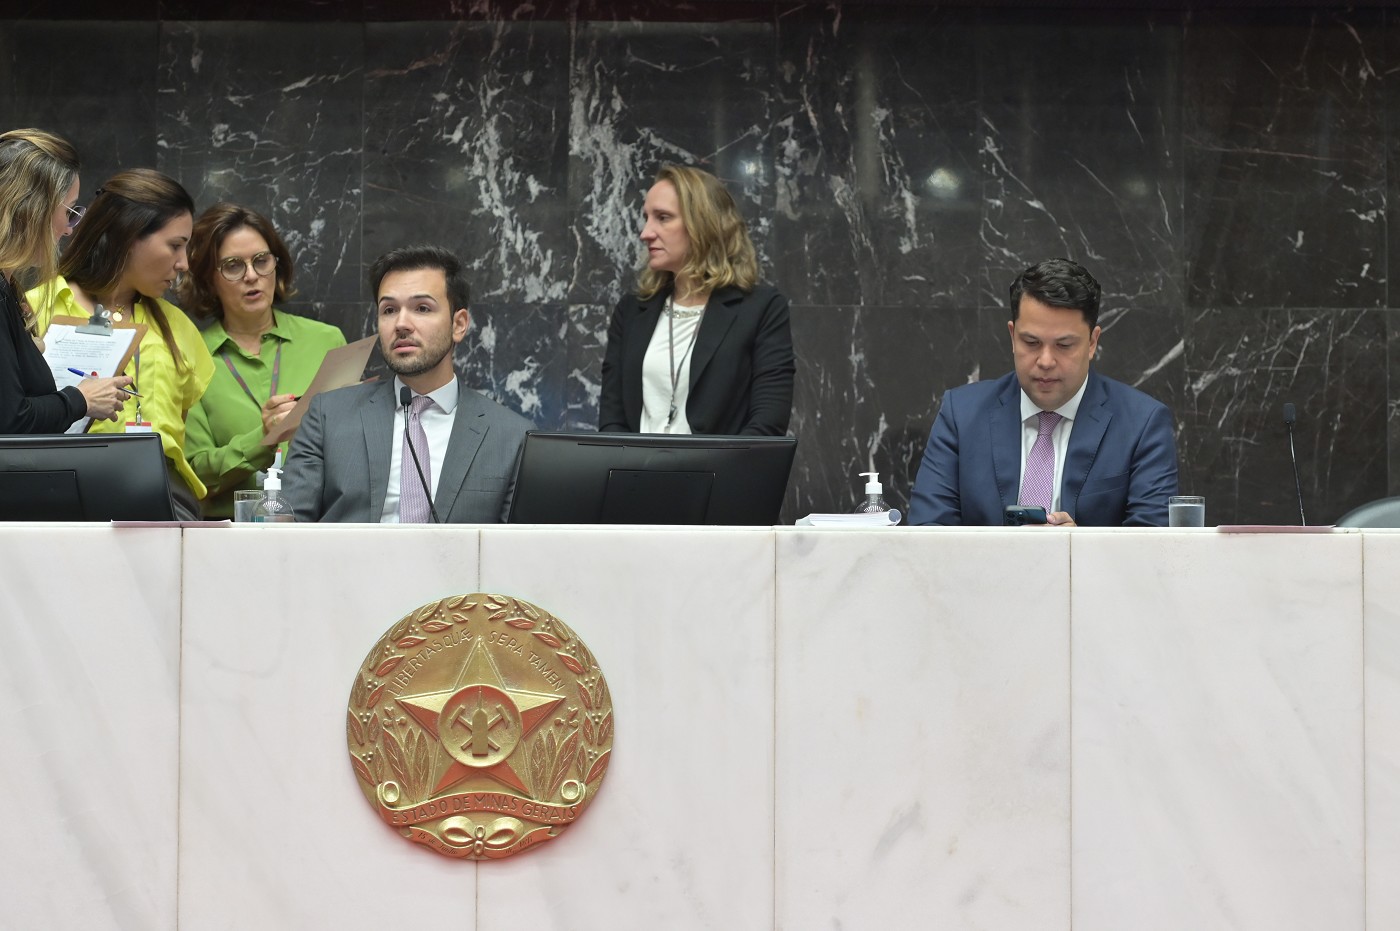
(80, 373)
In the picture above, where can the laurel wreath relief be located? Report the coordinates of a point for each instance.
(385, 743)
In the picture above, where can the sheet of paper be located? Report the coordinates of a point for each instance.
(103, 354)
(342, 366)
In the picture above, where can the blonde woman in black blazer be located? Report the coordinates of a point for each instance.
(701, 347)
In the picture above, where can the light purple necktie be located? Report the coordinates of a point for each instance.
(1038, 488)
(413, 498)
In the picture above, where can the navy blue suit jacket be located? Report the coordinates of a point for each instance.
(1120, 467)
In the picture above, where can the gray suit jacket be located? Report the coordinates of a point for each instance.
(338, 466)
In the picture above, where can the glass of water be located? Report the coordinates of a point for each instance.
(243, 504)
(1186, 511)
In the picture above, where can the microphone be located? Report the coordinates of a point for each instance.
(1290, 417)
(405, 401)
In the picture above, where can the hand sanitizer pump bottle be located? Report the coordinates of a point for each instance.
(273, 507)
(874, 502)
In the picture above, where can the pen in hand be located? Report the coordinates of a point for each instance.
(81, 374)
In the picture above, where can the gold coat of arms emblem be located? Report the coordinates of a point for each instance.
(480, 726)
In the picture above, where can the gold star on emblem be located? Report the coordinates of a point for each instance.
(480, 720)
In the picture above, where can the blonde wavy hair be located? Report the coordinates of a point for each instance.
(36, 169)
(721, 253)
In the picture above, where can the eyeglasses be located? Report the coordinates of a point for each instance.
(75, 214)
(235, 267)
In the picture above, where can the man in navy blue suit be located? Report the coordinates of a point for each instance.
(1093, 451)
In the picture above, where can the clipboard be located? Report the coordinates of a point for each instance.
(92, 344)
(341, 368)
(86, 335)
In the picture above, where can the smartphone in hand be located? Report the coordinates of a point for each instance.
(1017, 515)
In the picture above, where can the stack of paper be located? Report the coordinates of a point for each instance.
(879, 519)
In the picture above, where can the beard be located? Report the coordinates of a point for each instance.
(430, 354)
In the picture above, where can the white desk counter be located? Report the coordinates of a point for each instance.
(931, 728)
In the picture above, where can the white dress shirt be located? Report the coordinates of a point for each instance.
(1030, 429)
(437, 426)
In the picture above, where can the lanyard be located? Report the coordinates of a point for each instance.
(675, 369)
(276, 375)
(136, 380)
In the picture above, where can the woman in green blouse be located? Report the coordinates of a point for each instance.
(264, 358)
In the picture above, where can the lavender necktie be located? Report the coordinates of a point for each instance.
(1038, 488)
(413, 497)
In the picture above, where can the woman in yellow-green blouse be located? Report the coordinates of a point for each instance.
(129, 250)
(263, 357)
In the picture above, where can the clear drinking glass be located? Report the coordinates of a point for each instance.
(1186, 511)
(243, 504)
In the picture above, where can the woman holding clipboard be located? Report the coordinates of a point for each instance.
(38, 207)
(130, 250)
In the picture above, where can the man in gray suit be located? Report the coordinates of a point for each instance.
(352, 461)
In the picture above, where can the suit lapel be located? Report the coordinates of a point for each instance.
(1090, 424)
(634, 353)
(377, 421)
(720, 312)
(468, 432)
(1006, 442)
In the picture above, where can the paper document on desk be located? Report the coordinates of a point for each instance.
(341, 368)
(1274, 528)
(104, 354)
(878, 519)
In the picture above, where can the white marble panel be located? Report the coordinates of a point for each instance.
(1217, 745)
(1382, 631)
(923, 729)
(275, 833)
(681, 834)
(89, 692)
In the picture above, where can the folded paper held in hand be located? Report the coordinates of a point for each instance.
(341, 368)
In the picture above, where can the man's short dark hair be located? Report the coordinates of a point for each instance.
(1059, 283)
(412, 258)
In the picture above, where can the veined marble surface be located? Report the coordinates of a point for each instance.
(1228, 175)
(90, 710)
(1382, 633)
(923, 730)
(1217, 708)
(992, 728)
(681, 834)
(274, 832)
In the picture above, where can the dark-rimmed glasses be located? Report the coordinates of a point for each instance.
(235, 267)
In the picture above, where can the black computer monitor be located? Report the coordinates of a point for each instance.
(629, 478)
(84, 477)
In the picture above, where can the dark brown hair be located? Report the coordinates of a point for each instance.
(129, 207)
(198, 290)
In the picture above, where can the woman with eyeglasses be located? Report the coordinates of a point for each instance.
(264, 357)
(38, 196)
(127, 252)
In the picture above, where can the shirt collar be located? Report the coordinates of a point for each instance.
(217, 328)
(1068, 410)
(444, 397)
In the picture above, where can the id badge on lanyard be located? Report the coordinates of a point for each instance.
(139, 425)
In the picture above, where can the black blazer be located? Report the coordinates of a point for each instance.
(29, 400)
(741, 368)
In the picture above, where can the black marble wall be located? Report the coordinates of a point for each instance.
(1230, 177)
